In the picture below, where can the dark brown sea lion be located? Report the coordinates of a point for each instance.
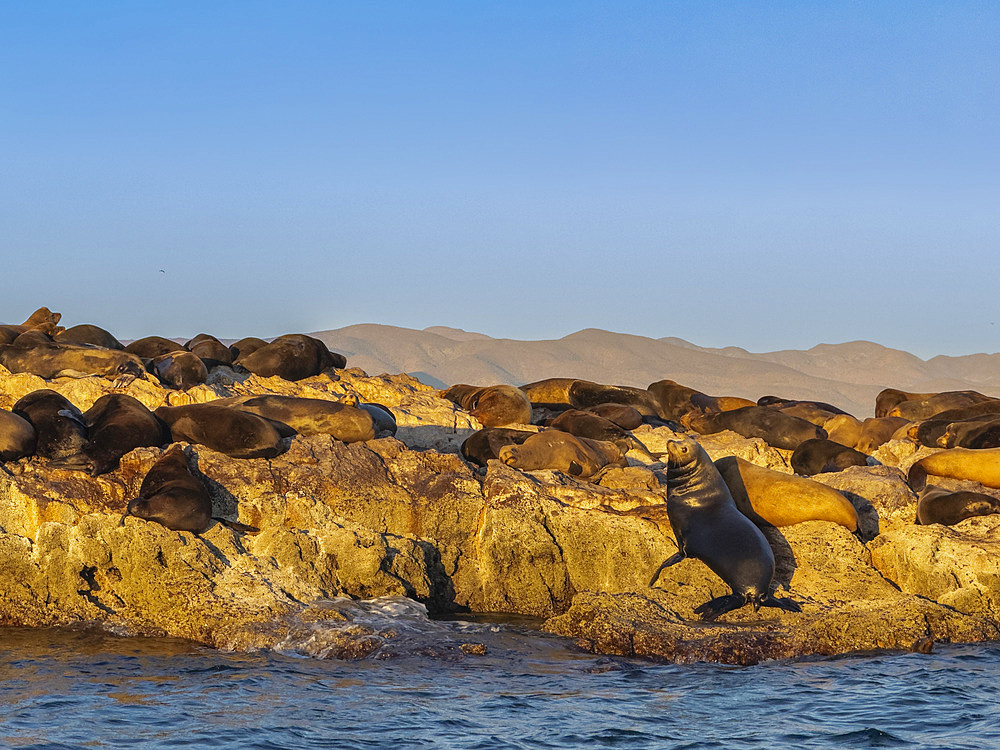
(948, 507)
(783, 403)
(228, 430)
(17, 436)
(150, 347)
(972, 433)
(560, 451)
(382, 417)
(88, 334)
(59, 426)
(626, 417)
(588, 425)
(245, 347)
(116, 424)
(807, 412)
(212, 351)
(172, 496)
(820, 455)
(924, 408)
(773, 427)
(709, 527)
(674, 400)
(485, 444)
(583, 394)
(972, 411)
(493, 405)
(48, 359)
(778, 499)
(293, 356)
(179, 369)
(877, 431)
(309, 416)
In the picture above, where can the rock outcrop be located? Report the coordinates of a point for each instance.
(407, 517)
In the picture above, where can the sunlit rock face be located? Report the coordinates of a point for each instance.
(408, 517)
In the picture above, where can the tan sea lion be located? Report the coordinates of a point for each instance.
(844, 429)
(224, 429)
(48, 359)
(589, 425)
(783, 499)
(626, 417)
(151, 347)
(485, 444)
(492, 406)
(550, 392)
(673, 399)
(583, 394)
(309, 416)
(877, 431)
(709, 527)
(560, 451)
(978, 465)
(914, 409)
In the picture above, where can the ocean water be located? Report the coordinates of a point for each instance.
(89, 689)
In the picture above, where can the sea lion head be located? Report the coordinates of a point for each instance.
(681, 452)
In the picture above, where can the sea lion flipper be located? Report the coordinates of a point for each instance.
(237, 526)
(786, 604)
(719, 606)
(666, 564)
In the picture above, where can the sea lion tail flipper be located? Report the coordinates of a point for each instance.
(719, 606)
(636, 444)
(237, 526)
(772, 601)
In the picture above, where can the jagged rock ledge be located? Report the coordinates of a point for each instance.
(408, 517)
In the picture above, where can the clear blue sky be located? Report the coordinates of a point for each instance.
(762, 174)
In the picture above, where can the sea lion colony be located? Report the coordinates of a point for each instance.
(578, 427)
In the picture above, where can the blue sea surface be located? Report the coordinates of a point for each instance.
(89, 689)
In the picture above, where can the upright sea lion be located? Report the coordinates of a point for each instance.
(583, 393)
(150, 347)
(309, 416)
(116, 424)
(820, 455)
(877, 431)
(88, 334)
(710, 528)
(560, 451)
(212, 351)
(171, 495)
(948, 507)
(588, 425)
(293, 356)
(42, 319)
(17, 436)
(180, 369)
(778, 499)
(60, 428)
(776, 429)
(980, 465)
(48, 359)
(236, 433)
(485, 444)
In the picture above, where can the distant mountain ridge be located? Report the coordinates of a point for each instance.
(847, 375)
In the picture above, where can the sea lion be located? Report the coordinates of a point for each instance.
(550, 392)
(674, 400)
(583, 393)
(774, 428)
(309, 416)
(17, 436)
(877, 431)
(972, 433)
(978, 465)
(844, 429)
(807, 412)
(783, 403)
(41, 319)
(588, 425)
(821, 455)
(914, 409)
(116, 424)
(948, 507)
(972, 411)
(293, 356)
(709, 527)
(172, 496)
(626, 417)
(179, 369)
(560, 451)
(151, 347)
(88, 334)
(245, 347)
(212, 351)
(382, 417)
(236, 433)
(492, 406)
(61, 431)
(485, 444)
(49, 359)
(771, 497)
